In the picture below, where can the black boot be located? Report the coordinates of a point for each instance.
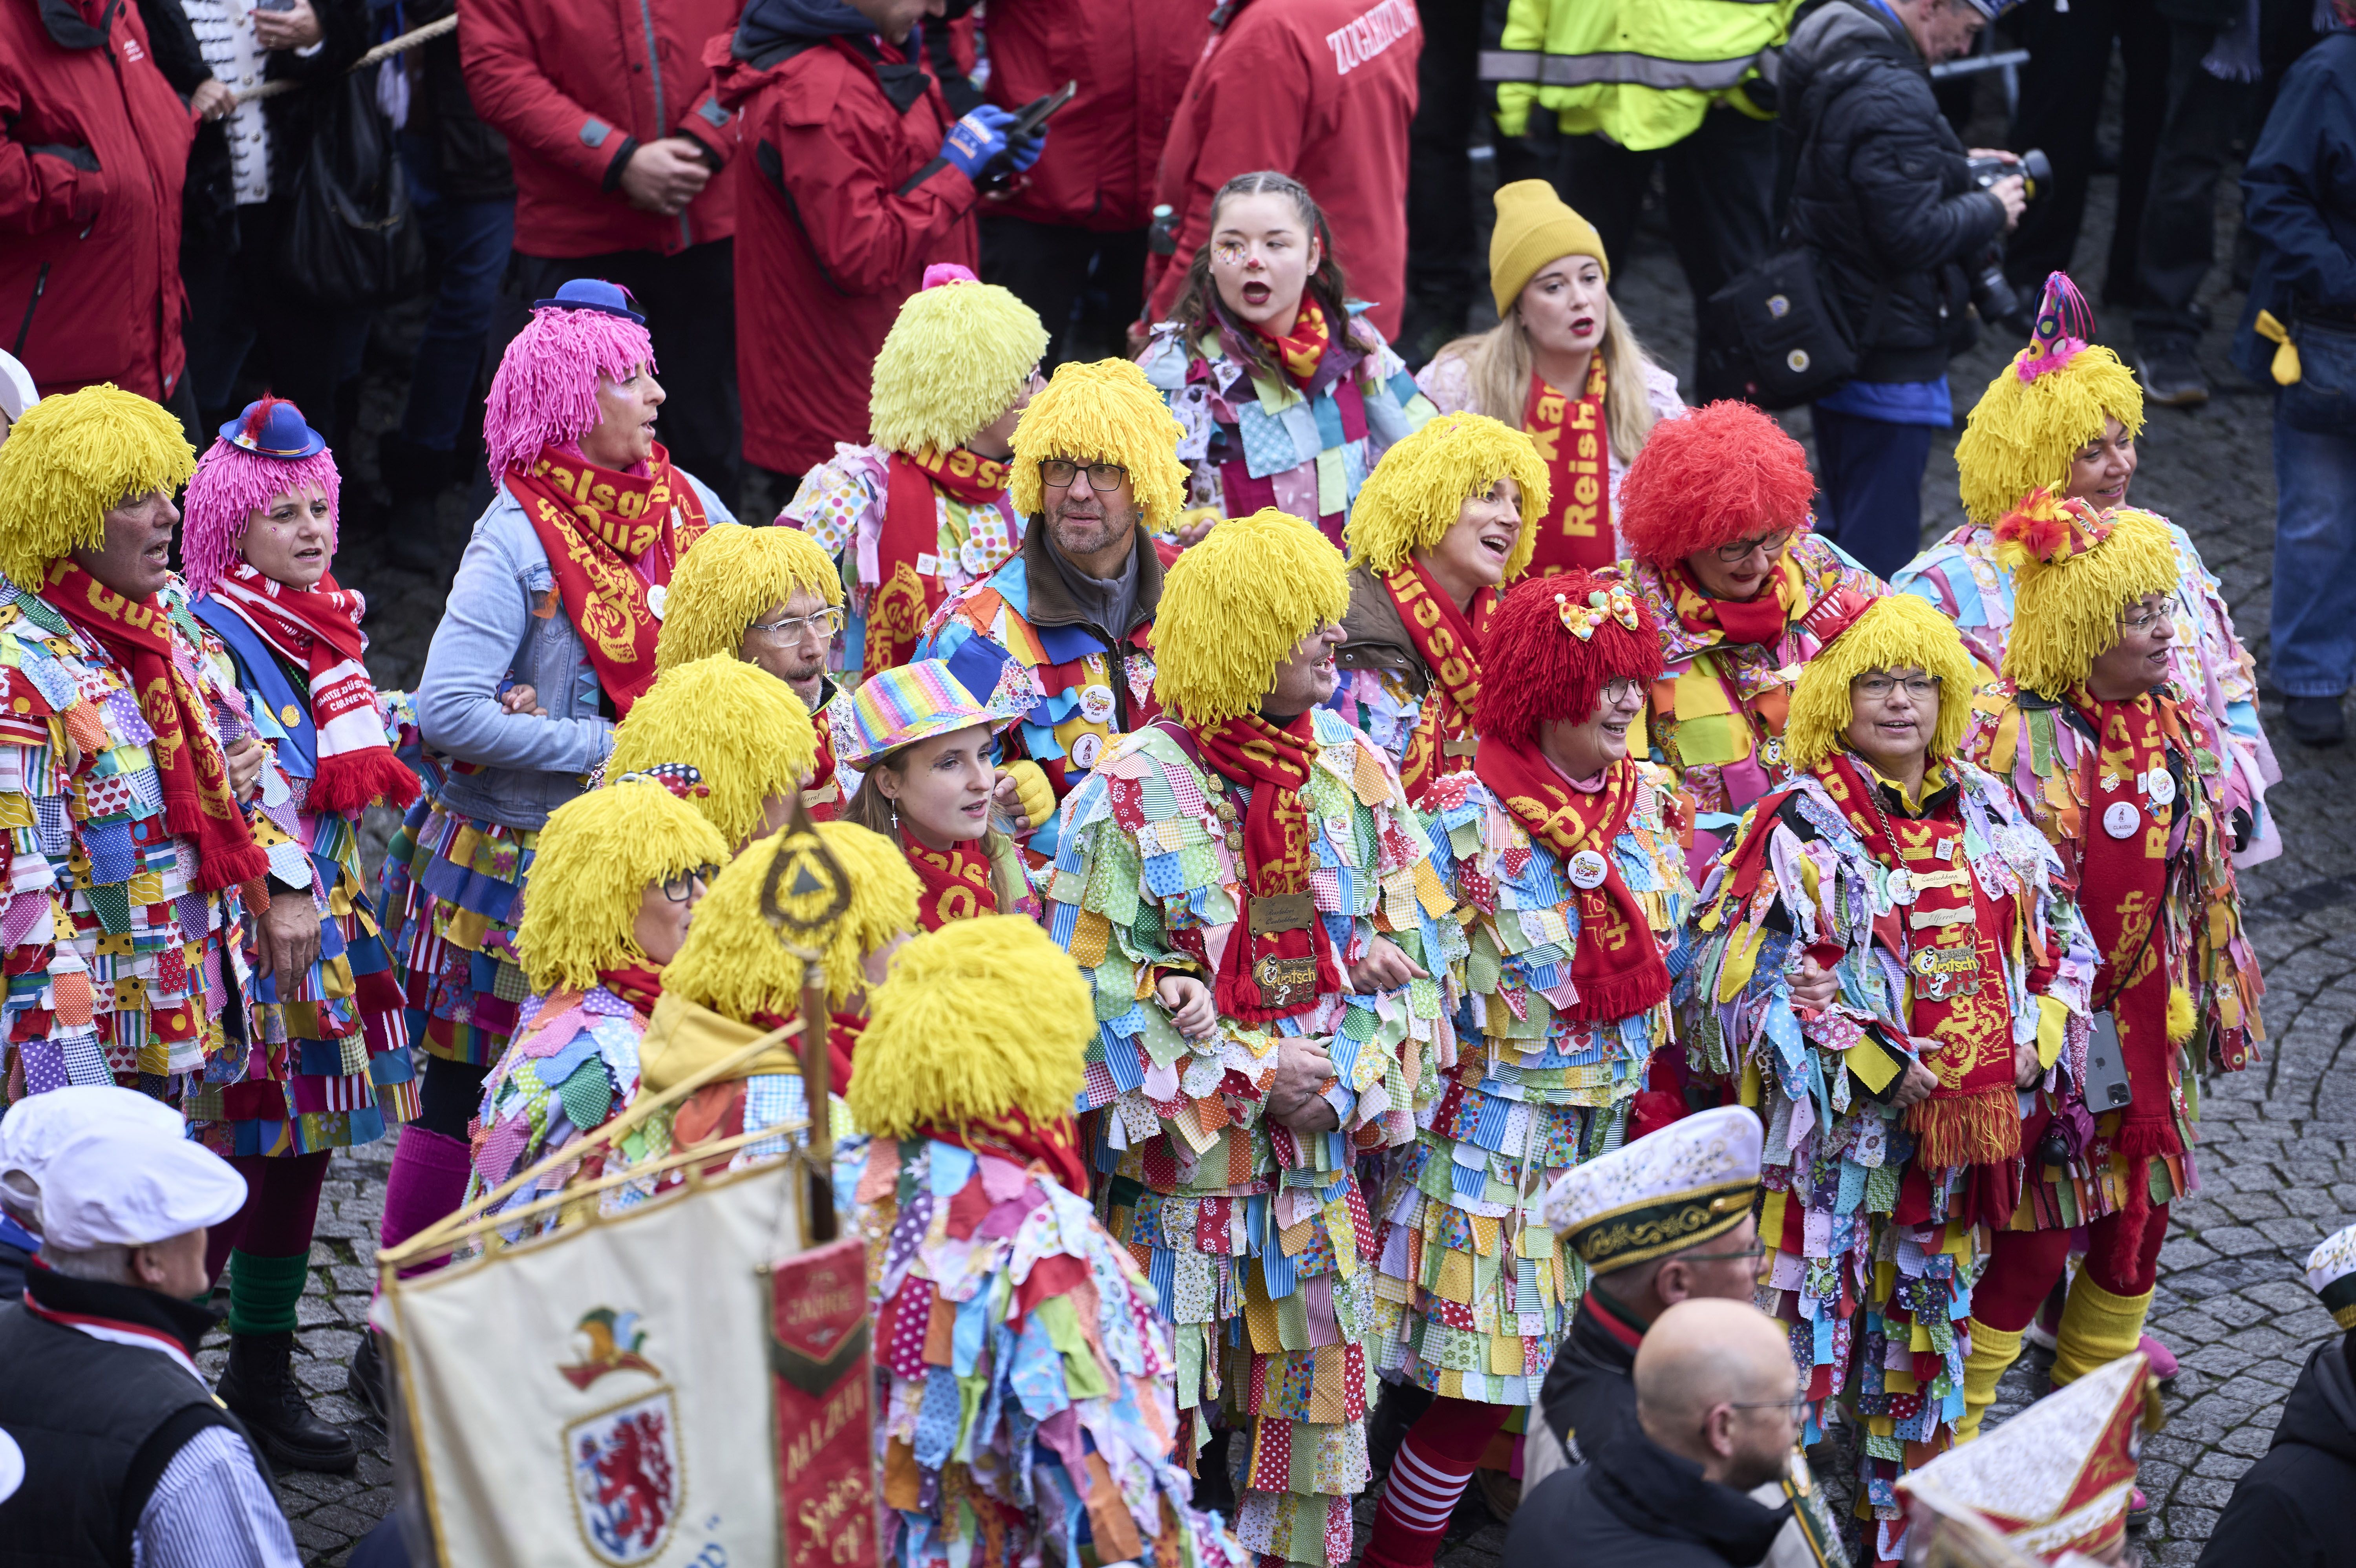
(414, 477)
(365, 1379)
(259, 1390)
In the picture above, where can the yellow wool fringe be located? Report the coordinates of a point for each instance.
(1898, 632)
(735, 963)
(1234, 608)
(956, 358)
(597, 856)
(1103, 412)
(731, 578)
(979, 1018)
(741, 726)
(1413, 497)
(2022, 435)
(2180, 1015)
(70, 459)
(2066, 614)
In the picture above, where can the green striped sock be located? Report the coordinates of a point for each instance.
(262, 1291)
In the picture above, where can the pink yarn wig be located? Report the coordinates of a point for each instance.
(545, 393)
(229, 486)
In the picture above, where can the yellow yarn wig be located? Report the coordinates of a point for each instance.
(957, 355)
(2066, 603)
(1895, 631)
(735, 723)
(597, 856)
(728, 579)
(1234, 608)
(735, 963)
(1412, 497)
(70, 460)
(1103, 412)
(979, 1018)
(2022, 435)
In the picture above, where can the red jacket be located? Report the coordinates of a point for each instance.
(1132, 60)
(1323, 91)
(93, 148)
(575, 86)
(842, 203)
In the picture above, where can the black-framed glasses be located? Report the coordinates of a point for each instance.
(1061, 470)
(1741, 549)
(680, 888)
(792, 628)
(1620, 692)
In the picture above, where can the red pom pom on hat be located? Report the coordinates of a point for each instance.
(1723, 473)
(1553, 645)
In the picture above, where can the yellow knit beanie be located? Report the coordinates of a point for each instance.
(728, 579)
(739, 726)
(1535, 225)
(1234, 608)
(68, 460)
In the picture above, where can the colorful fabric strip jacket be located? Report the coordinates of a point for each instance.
(1410, 686)
(843, 503)
(1025, 1376)
(1716, 719)
(454, 890)
(2072, 782)
(1251, 442)
(114, 962)
(571, 1067)
(1474, 1291)
(1258, 1239)
(1873, 1251)
(2208, 663)
(330, 1065)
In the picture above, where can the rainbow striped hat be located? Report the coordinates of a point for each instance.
(909, 703)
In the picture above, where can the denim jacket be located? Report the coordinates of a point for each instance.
(523, 767)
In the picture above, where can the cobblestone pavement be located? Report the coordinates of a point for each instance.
(2278, 1160)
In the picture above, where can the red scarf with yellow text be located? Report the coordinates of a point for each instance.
(1758, 620)
(1574, 444)
(954, 883)
(1449, 644)
(1278, 960)
(1300, 350)
(198, 803)
(905, 594)
(609, 537)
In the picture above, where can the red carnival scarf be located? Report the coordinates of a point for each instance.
(1761, 620)
(1300, 350)
(608, 537)
(198, 802)
(955, 882)
(1278, 960)
(1012, 1134)
(1451, 646)
(640, 985)
(317, 630)
(1950, 934)
(1573, 442)
(1617, 966)
(906, 594)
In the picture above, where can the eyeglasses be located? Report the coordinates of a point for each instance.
(794, 628)
(1620, 692)
(678, 889)
(2140, 619)
(1741, 549)
(1878, 688)
(1796, 1407)
(1758, 1250)
(1060, 472)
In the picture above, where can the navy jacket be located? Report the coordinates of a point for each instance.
(2298, 194)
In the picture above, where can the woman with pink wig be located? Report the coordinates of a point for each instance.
(547, 640)
(328, 1059)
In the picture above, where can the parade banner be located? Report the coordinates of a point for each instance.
(823, 1366)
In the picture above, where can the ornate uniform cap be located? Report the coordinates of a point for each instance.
(2331, 1274)
(2057, 1476)
(1692, 1181)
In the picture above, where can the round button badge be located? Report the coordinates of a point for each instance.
(1086, 748)
(2159, 786)
(1901, 886)
(1095, 703)
(2121, 819)
(1586, 870)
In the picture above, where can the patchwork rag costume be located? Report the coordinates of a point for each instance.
(1942, 913)
(1413, 660)
(1023, 1376)
(1573, 895)
(919, 515)
(1071, 650)
(734, 577)
(2116, 787)
(2052, 399)
(1300, 440)
(1257, 859)
(743, 731)
(573, 1064)
(1723, 476)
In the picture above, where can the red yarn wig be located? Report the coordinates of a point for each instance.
(1723, 473)
(1537, 670)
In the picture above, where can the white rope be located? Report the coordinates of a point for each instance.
(384, 51)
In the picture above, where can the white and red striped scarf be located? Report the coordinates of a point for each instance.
(319, 630)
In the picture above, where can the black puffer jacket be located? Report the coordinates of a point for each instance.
(1879, 186)
(2290, 1509)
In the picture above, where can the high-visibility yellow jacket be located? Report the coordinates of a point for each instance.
(1643, 72)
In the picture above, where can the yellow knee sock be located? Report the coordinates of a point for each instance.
(2097, 1328)
(1993, 1349)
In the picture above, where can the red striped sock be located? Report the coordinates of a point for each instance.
(1434, 1465)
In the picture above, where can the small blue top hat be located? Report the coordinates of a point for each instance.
(593, 294)
(274, 428)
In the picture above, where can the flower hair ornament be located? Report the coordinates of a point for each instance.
(1580, 618)
(2048, 531)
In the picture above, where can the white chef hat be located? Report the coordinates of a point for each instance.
(17, 392)
(35, 1126)
(129, 1184)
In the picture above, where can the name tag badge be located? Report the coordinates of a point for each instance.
(2120, 820)
(1586, 870)
(1463, 748)
(1274, 913)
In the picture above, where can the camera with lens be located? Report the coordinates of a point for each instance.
(1993, 295)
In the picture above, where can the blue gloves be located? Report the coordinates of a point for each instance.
(979, 139)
